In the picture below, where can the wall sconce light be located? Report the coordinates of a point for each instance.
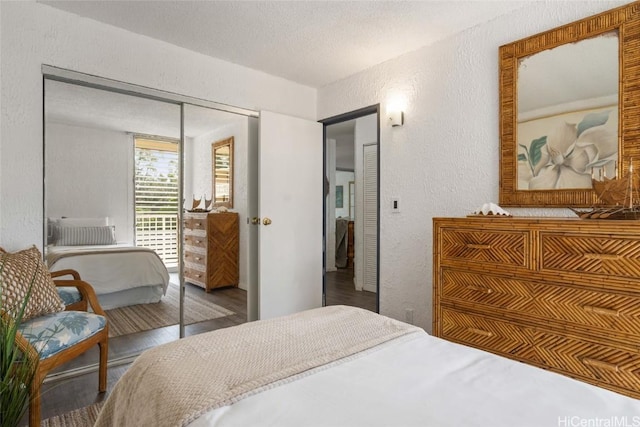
(396, 118)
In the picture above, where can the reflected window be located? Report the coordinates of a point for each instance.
(156, 197)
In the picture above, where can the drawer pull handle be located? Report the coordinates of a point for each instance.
(198, 224)
(476, 246)
(198, 275)
(198, 241)
(480, 332)
(479, 289)
(198, 258)
(600, 364)
(602, 256)
(601, 310)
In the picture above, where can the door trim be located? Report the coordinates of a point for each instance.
(355, 114)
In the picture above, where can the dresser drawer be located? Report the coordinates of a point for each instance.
(607, 311)
(612, 367)
(191, 257)
(593, 254)
(490, 291)
(195, 276)
(501, 247)
(195, 223)
(195, 240)
(478, 331)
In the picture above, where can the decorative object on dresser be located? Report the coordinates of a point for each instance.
(561, 294)
(211, 249)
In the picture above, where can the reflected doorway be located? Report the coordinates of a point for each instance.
(351, 209)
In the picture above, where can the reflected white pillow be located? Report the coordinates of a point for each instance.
(83, 222)
(78, 236)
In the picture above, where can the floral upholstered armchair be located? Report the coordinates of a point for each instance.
(50, 331)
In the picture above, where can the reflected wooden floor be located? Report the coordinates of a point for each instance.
(62, 396)
(341, 291)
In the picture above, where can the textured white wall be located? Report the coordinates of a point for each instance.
(89, 175)
(444, 160)
(32, 34)
(200, 174)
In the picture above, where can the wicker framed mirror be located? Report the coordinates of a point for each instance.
(553, 144)
(222, 165)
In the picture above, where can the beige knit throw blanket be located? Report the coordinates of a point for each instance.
(173, 384)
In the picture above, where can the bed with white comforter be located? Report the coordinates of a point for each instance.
(121, 275)
(342, 366)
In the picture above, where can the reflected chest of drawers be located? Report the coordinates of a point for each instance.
(561, 294)
(211, 249)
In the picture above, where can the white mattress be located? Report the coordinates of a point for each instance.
(421, 380)
(111, 271)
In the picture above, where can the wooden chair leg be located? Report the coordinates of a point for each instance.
(102, 371)
(34, 402)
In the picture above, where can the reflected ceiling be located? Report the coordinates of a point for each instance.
(88, 107)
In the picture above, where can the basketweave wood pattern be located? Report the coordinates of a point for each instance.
(608, 255)
(482, 246)
(574, 308)
(626, 21)
(610, 312)
(508, 339)
(614, 367)
(211, 252)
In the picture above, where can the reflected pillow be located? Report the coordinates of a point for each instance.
(54, 224)
(83, 222)
(79, 236)
(21, 270)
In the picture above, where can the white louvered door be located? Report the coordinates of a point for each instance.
(370, 216)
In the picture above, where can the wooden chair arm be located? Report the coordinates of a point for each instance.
(68, 271)
(87, 292)
(26, 348)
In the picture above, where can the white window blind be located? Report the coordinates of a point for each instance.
(156, 197)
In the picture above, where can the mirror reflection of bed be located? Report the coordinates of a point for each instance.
(351, 264)
(111, 204)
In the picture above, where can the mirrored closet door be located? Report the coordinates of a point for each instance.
(111, 206)
(215, 230)
(131, 189)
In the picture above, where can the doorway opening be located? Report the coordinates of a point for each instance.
(351, 207)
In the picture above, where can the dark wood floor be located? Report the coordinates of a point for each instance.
(341, 290)
(64, 395)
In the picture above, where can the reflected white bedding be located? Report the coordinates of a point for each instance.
(114, 270)
(419, 380)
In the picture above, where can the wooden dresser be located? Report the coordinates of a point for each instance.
(561, 294)
(211, 249)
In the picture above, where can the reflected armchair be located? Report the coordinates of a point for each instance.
(60, 337)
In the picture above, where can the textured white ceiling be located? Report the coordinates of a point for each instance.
(310, 42)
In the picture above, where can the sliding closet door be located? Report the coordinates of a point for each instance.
(110, 167)
(290, 205)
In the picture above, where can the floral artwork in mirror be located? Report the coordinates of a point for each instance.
(569, 108)
(222, 172)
